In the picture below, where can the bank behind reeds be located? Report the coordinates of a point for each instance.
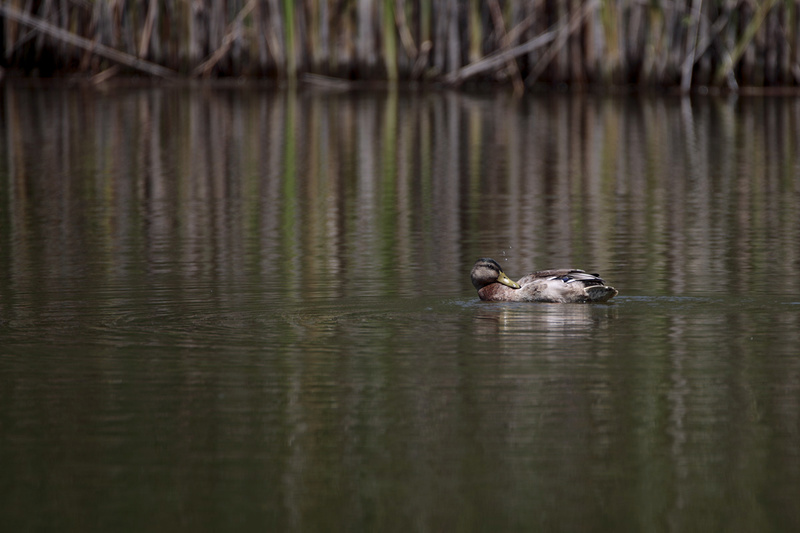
(688, 43)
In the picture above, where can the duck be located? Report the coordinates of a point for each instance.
(564, 285)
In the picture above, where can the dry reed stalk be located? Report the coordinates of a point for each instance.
(496, 59)
(564, 34)
(511, 64)
(412, 51)
(574, 48)
(744, 41)
(688, 62)
(366, 46)
(204, 68)
(71, 39)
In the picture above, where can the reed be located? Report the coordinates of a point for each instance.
(684, 44)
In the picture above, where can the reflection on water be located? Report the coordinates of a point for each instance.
(231, 307)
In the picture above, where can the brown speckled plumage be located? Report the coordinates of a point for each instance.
(566, 285)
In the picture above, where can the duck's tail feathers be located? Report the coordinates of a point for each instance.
(601, 293)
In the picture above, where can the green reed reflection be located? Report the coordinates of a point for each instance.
(653, 191)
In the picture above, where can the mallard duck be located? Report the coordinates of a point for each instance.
(566, 285)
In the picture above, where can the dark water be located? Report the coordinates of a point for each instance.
(232, 309)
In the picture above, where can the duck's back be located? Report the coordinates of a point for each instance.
(564, 286)
(568, 275)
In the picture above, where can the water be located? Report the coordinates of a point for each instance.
(239, 308)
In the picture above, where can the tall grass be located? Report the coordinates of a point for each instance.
(684, 44)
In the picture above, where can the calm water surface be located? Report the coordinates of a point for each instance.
(230, 309)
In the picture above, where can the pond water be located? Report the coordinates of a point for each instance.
(229, 308)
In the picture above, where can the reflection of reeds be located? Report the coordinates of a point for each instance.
(683, 44)
(337, 190)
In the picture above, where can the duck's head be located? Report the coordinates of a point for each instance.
(487, 271)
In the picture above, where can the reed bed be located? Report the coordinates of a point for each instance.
(674, 43)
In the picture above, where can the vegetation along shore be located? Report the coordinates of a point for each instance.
(657, 43)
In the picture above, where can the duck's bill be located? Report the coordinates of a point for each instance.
(505, 280)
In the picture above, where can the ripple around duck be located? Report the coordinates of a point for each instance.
(199, 325)
(181, 329)
(200, 322)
